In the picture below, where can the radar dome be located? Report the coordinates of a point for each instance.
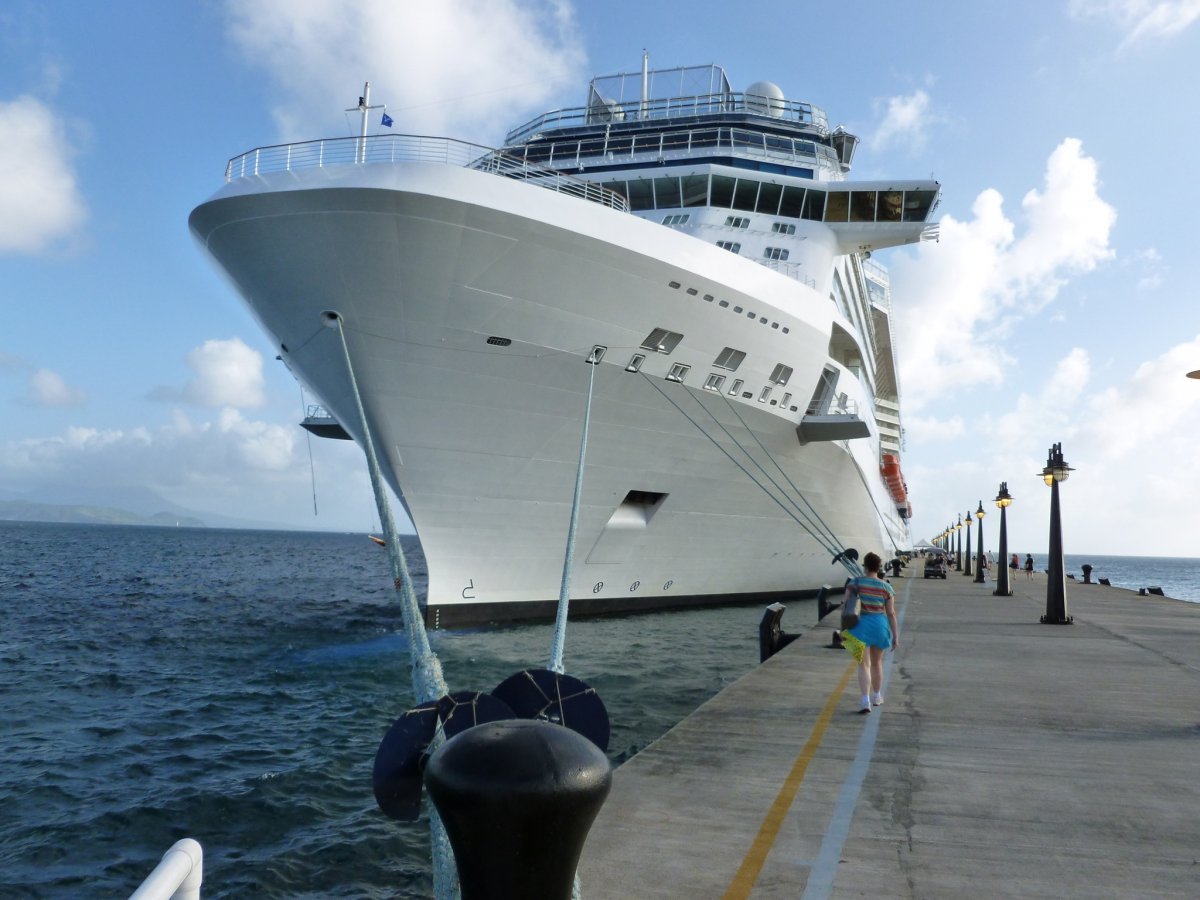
(765, 98)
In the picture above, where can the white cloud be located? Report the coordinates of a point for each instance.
(985, 275)
(905, 122)
(40, 202)
(47, 388)
(226, 374)
(1141, 19)
(441, 68)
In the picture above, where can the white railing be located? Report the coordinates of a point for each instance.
(394, 148)
(177, 877)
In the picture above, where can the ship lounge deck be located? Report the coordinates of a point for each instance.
(1010, 759)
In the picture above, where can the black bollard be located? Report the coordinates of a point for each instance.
(771, 636)
(1087, 574)
(517, 798)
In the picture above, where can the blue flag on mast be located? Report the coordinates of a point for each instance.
(387, 121)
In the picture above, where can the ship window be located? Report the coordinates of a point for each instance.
(662, 341)
(673, 284)
(737, 222)
(647, 143)
(708, 297)
(768, 199)
(619, 146)
(722, 191)
(641, 196)
(738, 309)
(862, 206)
(837, 206)
(890, 204)
(692, 292)
(731, 246)
(762, 320)
(617, 187)
(792, 202)
(736, 387)
(695, 190)
(765, 395)
(499, 341)
(780, 374)
(745, 195)
(775, 253)
(729, 359)
(704, 138)
(750, 315)
(786, 329)
(676, 219)
(775, 325)
(678, 372)
(635, 362)
(666, 193)
(917, 205)
(814, 205)
(713, 383)
(783, 228)
(723, 304)
(787, 398)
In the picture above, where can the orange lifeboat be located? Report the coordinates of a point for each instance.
(890, 469)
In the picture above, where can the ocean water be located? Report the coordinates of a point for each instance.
(1178, 577)
(233, 686)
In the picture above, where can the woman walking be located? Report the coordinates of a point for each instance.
(875, 632)
(1028, 566)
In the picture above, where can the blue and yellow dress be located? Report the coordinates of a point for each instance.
(872, 628)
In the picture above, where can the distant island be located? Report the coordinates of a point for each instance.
(25, 511)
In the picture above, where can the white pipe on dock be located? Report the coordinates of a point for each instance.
(177, 876)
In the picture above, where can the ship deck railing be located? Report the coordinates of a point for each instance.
(709, 140)
(389, 149)
(666, 109)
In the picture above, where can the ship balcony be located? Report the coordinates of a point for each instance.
(318, 421)
(837, 421)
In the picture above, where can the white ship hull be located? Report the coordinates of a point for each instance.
(425, 262)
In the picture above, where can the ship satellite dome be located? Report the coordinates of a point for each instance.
(765, 97)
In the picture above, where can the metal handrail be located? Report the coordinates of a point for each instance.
(388, 149)
(177, 877)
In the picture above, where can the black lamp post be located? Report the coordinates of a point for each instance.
(958, 552)
(980, 568)
(967, 563)
(1056, 588)
(1003, 500)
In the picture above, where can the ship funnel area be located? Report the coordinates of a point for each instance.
(845, 144)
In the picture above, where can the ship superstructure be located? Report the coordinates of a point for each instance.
(703, 245)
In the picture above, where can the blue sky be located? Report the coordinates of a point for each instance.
(1059, 304)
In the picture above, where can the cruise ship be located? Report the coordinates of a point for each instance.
(686, 267)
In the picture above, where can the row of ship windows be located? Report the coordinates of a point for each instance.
(779, 253)
(741, 222)
(715, 382)
(789, 201)
(724, 304)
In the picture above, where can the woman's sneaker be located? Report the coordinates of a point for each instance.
(877, 699)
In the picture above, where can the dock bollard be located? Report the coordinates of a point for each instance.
(1087, 574)
(517, 798)
(771, 636)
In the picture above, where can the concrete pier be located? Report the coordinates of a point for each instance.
(1010, 759)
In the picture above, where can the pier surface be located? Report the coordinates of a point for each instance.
(1010, 759)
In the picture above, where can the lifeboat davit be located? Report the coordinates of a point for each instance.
(890, 469)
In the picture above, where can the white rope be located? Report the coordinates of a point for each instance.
(564, 591)
(428, 682)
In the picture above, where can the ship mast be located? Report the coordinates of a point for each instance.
(364, 106)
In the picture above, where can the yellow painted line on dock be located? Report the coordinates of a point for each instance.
(747, 874)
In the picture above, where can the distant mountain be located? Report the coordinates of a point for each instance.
(27, 511)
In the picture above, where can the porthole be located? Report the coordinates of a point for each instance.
(499, 341)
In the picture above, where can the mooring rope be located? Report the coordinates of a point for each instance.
(564, 591)
(428, 681)
(827, 542)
